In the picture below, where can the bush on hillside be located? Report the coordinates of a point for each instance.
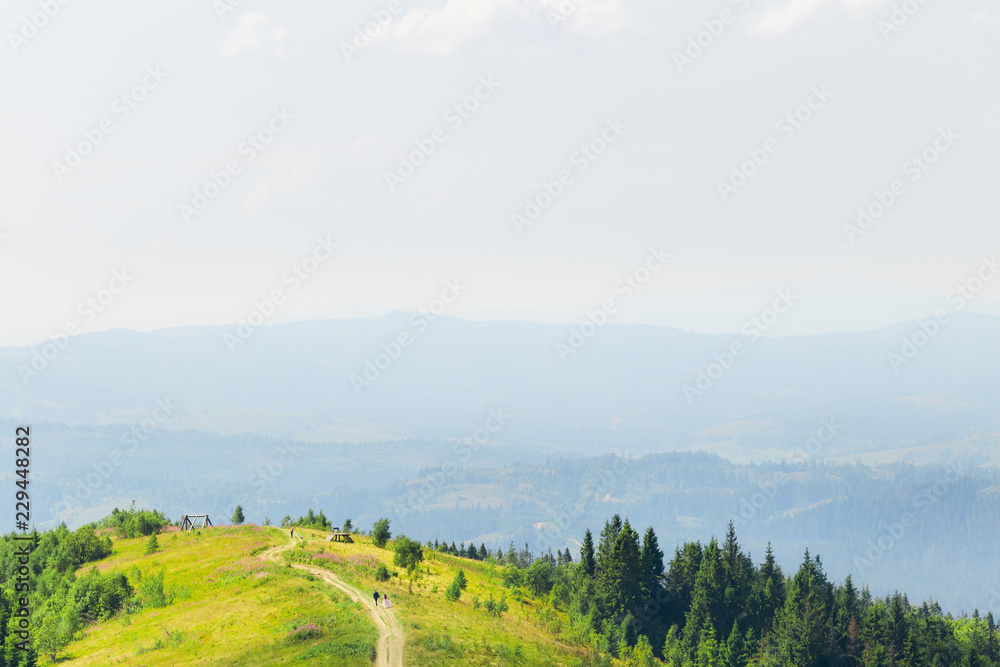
(134, 523)
(453, 592)
(381, 533)
(305, 633)
(511, 576)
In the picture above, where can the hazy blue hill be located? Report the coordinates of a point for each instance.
(622, 390)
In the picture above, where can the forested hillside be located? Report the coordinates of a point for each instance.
(712, 605)
(922, 529)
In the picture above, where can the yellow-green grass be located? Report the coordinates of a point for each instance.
(230, 608)
(528, 633)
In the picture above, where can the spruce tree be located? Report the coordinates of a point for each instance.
(587, 554)
(802, 625)
(706, 598)
(608, 536)
(618, 584)
(652, 565)
(767, 594)
(738, 573)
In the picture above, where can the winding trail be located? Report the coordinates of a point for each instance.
(390, 631)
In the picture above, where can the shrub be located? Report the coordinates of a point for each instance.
(99, 597)
(133, 522)
(152, 544)
(511, 576)
(305, 633)
(84, 546)
(408, 554)
(442, 644)
(539, 577)
(150, 589)
(505, 652)
(495, 607)
(456, 587)
(381, 533)
(382, 573)
(453, 592)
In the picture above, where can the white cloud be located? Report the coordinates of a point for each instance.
(442, 31)
(980, 18)
(777, 20)
(255, 33)
(593, 18)
(307, 170)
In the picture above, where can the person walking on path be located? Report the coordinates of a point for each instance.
(375, 595)
(293, 531)
(385, 602)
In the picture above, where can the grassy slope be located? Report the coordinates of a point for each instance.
(237, 616)
(476, 638)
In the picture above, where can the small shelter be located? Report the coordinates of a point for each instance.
(190, 521)
(340, 537)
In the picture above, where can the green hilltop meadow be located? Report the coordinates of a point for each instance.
(134, 589)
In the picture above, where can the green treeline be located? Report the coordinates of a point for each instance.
(712, 606)
(62, 598)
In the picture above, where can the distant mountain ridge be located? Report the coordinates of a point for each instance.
(623, 390)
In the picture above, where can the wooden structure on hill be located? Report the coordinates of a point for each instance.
(340, 537)
(190, 521)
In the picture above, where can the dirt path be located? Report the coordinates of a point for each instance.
(390, 630)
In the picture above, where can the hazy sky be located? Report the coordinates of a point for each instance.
(183, 87)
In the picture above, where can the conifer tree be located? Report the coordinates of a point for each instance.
(738, 574)
(767, 594)
(618, 584)
(608, 536)
(706, 598)
(652, 564)
(587, 554)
